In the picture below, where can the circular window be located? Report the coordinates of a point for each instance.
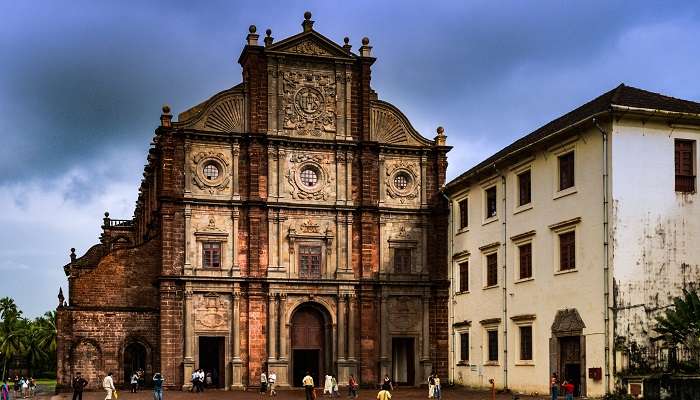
(309, 176)
(401, 180)
(211, 171)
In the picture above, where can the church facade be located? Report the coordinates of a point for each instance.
(292, 222)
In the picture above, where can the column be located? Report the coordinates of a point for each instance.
(348, 241)
(384, 330)
(273, 262)
(425, 354)
(423, 179)
(188, 229)
(281, 159)
(272, 189)
(188, 341)
(283, 327)
(234, 248)
(351, 326)
(236, 150)
(348, 178)
(341, 327)
(271, 328)
(236, 326)
(381, 179)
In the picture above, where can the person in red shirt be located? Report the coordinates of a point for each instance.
(568, 390)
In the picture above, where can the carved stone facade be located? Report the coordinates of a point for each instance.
(291, 222)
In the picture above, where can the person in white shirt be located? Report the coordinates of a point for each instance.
(271, 379)
(108, 385)
(263, 383)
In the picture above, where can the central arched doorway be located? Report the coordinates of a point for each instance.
(134, 360)
(311, 341)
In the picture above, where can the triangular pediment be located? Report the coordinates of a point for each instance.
(310, 43)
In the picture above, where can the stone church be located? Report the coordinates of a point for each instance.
(292, 222)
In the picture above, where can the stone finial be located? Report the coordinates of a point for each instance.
(365, 49)
(166, 118)
(72, 254)
(268, 38)
(252, 37)
(308, 24)
(347, 45)
(61, 298)
(440, 139)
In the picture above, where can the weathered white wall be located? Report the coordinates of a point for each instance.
(549, 290)
(655, 230)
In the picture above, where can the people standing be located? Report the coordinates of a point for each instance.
(554, 386)
(134, 382)
(334, 384)
(271, 380)
(108, 386)
(200, 380)
(568, 390)
(15, 387)
(32, 387)
(263, 383)
(308, 383)
(78, 385)
(24, 387)
(328, 385)
(384, 394)
(208, 379)
(4, 391)
(387, 384)
(158, 386)
(437, 393)
(352, 387)
(431, 385)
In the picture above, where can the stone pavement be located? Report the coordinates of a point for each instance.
(366, 394)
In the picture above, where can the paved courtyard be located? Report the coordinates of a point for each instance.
(399, 394)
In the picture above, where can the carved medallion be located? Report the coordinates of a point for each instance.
(402, 181)
(309, 176)
(211, 312)
(209, 172)
(309, 102)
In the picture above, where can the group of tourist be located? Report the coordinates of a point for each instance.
(268, 382)
(22, 387)
(567, 387)
(200, 380)
(434, 388)
(137, 380)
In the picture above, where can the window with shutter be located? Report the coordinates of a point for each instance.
(463, 213)
(525, 259)
(309, 261)
(402, 261)
(464, 277)
(492, 269)
(526, 343)
(211, 254)
(566, 171)
(567, 251)
(464, 347)
(685, 165)
(524, 188)
(493, 345)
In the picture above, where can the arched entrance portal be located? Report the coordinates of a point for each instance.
(311, 343)
(134, 360)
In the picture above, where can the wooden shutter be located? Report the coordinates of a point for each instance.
(526, 343)
(566, 171)
(492, 269)
(493, 345)
(464, 277)
(402, 261)
(524, 188)
(684, 165)
(464, 346)
(310, 261)
(525, 251)
(567, 251)
(463, 213)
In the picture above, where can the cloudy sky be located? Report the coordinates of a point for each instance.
(82, 84)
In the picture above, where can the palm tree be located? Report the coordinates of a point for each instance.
(681, 323)
(12, 329)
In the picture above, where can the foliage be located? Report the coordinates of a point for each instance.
(680, 325)
(33, 341)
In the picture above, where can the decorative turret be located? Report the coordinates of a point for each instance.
(166, 117)
(268, 38)
(61, 298)
(347, 45)
(440, 139)
(365, 49)
(252, 37)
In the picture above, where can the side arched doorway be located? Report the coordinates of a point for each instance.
(311, 334)
(135, 359)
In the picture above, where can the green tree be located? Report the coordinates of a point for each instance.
(680, 324)
(12, 331)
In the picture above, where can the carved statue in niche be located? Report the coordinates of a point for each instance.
(211, 312)
(309, 102)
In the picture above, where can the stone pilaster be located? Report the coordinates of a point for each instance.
(236, 364)
(272, 327)
(188, 362)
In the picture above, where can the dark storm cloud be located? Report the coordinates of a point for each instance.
(82, 82)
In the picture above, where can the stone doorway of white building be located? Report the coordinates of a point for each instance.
(567, 349)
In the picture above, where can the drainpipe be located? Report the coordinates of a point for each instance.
(504, 225)
(450, 305)
(606, 249)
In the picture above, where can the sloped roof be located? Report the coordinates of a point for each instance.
(304, 41)
(622, 95)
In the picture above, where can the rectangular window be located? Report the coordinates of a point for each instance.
(491, 202)
(524, 188)
(492, 269)
(211, 255)
(566, 170)
(464, 347)
(463, 213)
(525, 259)
(526, 343)
(493, 345)
(567, 251)
(464, 277)
(402, 261)
(685, 168)
(309, 261)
